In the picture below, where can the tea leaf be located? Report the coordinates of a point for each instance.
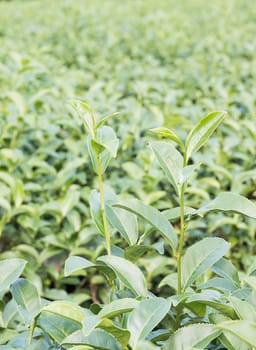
(85, 112)
(168, 134)
(125, 222)
(200, 134)
(76, 263)
(27, 298)
(98, 339)
(192, 336)
(128, 273)
(170, 160)
(154, 217)
(95, 208)
(66, 309)
(200, 257)
(243, 330)
(146, 316)
(118, 307)
(228, 201)
(106, 118)
(10, 270)
(57, 326)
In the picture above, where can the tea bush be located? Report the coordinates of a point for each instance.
(135, 230)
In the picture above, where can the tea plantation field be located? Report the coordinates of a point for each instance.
(127, 175)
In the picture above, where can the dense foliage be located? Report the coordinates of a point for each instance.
(129, 230)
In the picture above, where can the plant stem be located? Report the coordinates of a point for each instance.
(182, 227)
(102, 204)
(31, 331)
(181, 241)
(182, 235)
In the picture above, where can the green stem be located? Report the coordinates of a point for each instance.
(182, 226)
(181, 240)
(102, 204)
(182, 235)
(31, 331)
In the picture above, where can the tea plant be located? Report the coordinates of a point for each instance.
(208, 307)
(211, 303)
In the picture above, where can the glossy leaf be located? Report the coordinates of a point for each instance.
(213, 299)
(118, 307)
(168, 134)
(98, 339)
(76, 263)
(227, 270)
(27, 298)
(92, 322)
(174, 213)
(200, 134)
(125, 222)
(105, 137)
(192, 336)
(86, 114)
(97, 147)
(57, 326)
(95, 208)
(171, 162)
(200, 257)
(66, 309)
(154, 217)
(146, 316)
(244, 310)
(228, 201)
(229, 340)
(10, 270)
(243, 330)
(128, 273)
(106, 118)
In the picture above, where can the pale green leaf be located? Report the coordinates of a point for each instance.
(200, 134)
(57, 326)
(195, 335)
(92, 322)
(125, 222)
(244, 330)
(106, 118)
(85, 112)
(171, 162)
(145, 317)
(174, 213)
(154, 217)
(10, 270)
(227, 270)
(98, 339)
(96, 212)
(27, 299)
(106, 136)
(243, 309)
(200, 257)
(228, 201)
(128, 273)
(168, 134)
(76, 263)
(118, 307)
(213, 299)
(18, 193)
(66, 309)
